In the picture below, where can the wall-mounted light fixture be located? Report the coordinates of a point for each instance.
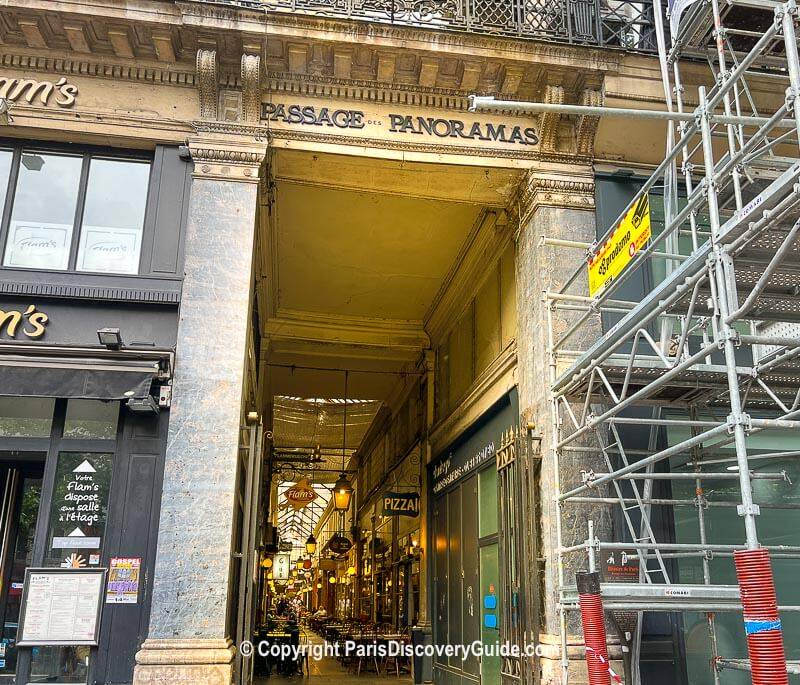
(110, 337)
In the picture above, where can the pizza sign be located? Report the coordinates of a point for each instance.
(301, 494)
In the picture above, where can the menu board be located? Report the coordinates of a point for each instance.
(61, 607)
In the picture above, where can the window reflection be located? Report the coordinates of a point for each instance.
(113, 218)
(26, 417)
(46, 195)
(91, 419)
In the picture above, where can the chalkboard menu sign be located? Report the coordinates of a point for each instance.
(79, 509)
(61, 607)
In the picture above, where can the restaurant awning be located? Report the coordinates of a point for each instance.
(78, 378)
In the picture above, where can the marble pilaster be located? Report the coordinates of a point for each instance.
(188, 639)
(555, 202)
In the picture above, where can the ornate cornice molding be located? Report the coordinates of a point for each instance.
(258, 133)
(223, 160)
(380, 143)
(100, 68)
(409, 95)
(589, 57)
(402, 339)
(546, 189)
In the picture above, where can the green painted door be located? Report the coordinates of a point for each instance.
(490, 611)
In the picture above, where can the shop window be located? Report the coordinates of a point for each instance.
(26, 417)
(45, 199)
(111, 230)
(78, 509)
(74, 212)
(91, 419)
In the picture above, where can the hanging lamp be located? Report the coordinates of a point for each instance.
(343, 488)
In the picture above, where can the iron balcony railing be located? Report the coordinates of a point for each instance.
(611, 23)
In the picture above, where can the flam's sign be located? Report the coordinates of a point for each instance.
(300, 495)
(33, 92)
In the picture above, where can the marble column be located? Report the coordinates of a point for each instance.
(188, 640)
(556, 201)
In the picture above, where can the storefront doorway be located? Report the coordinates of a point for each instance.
(78, 482)
(21, 482)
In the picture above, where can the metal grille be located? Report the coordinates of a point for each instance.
(613, 23)
(518, 536)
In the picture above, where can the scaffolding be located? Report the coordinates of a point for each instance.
(714, 349)
(711, 356)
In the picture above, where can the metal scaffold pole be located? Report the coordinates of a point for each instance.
(708, 359)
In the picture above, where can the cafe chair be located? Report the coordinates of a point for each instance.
(302, 654)
(369, 637)
(397, 662)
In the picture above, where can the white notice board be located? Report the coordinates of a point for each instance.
(61, 606)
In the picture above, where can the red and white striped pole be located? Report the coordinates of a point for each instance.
(762, 625)
(594, 629)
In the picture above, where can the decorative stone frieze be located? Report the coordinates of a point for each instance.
(554, 189)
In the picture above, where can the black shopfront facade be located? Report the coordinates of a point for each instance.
(90, 284)
(475, 596)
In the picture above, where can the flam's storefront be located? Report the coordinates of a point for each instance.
(88, 329)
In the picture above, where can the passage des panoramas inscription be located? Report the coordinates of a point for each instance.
(435, 127)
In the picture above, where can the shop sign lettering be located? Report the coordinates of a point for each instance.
(301, 494)
(339, 544)
(447, 472)
(398, 123)
(401, 504)
(61, 92)
(79, 507)
(11, 322)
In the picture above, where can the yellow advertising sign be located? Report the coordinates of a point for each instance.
(630, 236)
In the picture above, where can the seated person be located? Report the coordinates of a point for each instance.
(320, 614)
(288, 666)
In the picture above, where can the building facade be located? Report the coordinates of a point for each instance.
(169, 172)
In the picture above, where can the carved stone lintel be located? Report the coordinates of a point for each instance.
(208, 83)
(554, 189)
(251, 88)
(586, 126)
(221, 160)
(550, 121)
